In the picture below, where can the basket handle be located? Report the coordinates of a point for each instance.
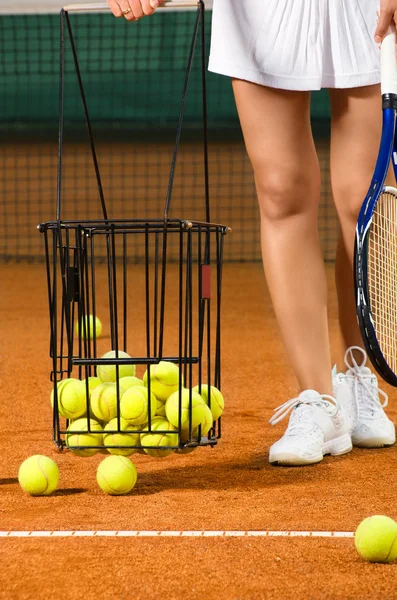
(105, 7)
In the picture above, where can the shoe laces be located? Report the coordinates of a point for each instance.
(302, 409)
(366, 391)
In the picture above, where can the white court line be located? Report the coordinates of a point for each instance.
(151, 533)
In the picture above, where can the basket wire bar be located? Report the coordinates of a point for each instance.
(75, 251)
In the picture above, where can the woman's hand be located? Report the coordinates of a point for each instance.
(133, 10)
(387, 15)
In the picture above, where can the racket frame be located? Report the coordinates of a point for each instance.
(387, 152)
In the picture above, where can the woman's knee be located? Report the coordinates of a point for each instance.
(285, 193)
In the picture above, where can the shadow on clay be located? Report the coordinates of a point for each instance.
(69, 492)
(8, 480)
(254, 473)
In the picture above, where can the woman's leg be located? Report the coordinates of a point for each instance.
(277, 132)
(355, 135)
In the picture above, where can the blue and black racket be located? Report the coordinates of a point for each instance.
(376, 236)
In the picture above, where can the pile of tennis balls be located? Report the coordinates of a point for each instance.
(135, 405)
(117, 474)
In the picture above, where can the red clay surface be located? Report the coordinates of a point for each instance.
(230, 487)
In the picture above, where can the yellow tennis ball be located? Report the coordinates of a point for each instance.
(206, 425)
(93, 383)
(104, 402)
(127, 382)
(155, 440)
(217, 403)
(38, 475)
(198, 410)
(207, 421)
(107, 373)
(134, 405)
(71, 398)
(130, 438)
(376, 539)
(116, 475)
(160, 412)
(86, 329)
(164, 379)
(91, 438)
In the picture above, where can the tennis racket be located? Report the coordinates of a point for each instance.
(376, 236)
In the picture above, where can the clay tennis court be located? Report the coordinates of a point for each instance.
(219, 523)
(231, 487)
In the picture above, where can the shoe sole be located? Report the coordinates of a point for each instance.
(335, 447)
(374, 443)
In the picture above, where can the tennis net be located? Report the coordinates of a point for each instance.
(133, 76)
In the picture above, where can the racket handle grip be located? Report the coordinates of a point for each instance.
(389, 63)
(102, 6)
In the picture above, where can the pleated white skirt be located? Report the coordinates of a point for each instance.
(296, 44)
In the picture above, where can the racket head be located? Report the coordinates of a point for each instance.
(376, 284)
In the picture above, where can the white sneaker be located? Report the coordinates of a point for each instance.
(316, 427)
(358, 394)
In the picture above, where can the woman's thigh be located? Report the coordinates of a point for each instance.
(279, 142)
(356, 126)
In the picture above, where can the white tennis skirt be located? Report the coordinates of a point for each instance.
(296, 44)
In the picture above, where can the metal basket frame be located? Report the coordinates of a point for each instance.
(72, 263)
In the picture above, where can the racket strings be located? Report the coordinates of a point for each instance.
(382, 275)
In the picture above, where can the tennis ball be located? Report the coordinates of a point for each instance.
(71, 398)
(116, 475)
(206, 425)
(376, 539)
(159, 439)
(121, 439)
(38, 475)
(127, 382)
(198, 410)
(217, 403)
(164, 379)
(84, 439)
(134, 405)
(160, 408)
(93, 383)
(104, 402)
(86, 329)
(207, 421)
(107, 373)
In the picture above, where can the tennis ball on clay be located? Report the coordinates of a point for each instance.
(116, 475)
(91, 438)
(130, 438)
(107, 373)
(38, 475)
(71, 398)
(155, 440)
(134, 405)
(217, 400)
(198, 409)
(376, 539)
(87, 328)
(127, 382)
(164, 379)
(104, 402)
